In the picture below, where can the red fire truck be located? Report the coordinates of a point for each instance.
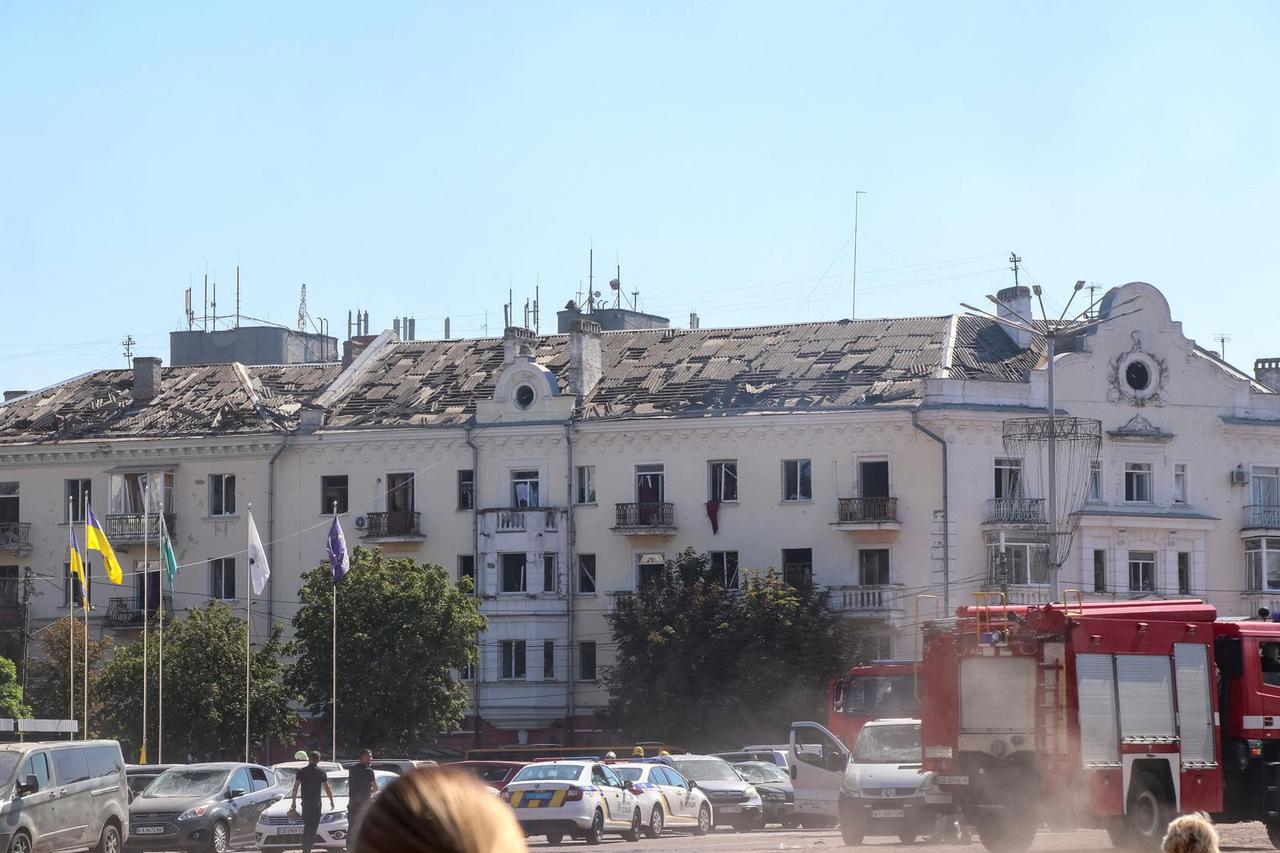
(874, 691)
(1117, 714)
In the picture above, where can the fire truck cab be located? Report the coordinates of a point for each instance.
(1111, 714)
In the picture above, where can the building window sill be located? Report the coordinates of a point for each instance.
(221, 518)
(785, 502)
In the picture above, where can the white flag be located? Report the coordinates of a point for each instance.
(259, 571)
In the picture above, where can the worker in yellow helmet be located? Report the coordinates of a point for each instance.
(638, 752)
(663, 752)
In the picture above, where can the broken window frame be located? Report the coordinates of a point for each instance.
(526, 488)
(222, 574)
(523, 568)
(331, 492)
(466, 489)
(584, 485)
(219, 505)
(513, 655)
(797, 480)
(722, 483)
(586, 570)
(724, 569)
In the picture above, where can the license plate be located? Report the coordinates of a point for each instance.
(149, 830)
(882, 813)
(952, 780)
(288, 830)
(728, 809)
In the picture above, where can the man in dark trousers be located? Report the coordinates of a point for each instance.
(309, 782)
(361, 785)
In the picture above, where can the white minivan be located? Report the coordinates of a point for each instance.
(63, 795)
(884, 786)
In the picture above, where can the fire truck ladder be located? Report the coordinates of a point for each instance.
(982, 620)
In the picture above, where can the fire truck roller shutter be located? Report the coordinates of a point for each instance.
(1099, 730)
(1146, 696)
(1195, 712)
(997, 704)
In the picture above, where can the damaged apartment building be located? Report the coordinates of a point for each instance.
(560, 471)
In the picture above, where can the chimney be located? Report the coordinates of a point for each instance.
(1265, 370)
(146, 378)
(13, 395)
(518, 342)
(351, 349)
(585, 368)
(1014, 304)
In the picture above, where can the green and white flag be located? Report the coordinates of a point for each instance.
(166, 553)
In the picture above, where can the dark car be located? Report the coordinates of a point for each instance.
(206, 807)
(495, 774)
(734, 800)
(776, 791)
(142, 775)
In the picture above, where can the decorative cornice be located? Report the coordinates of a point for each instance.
(132, 450)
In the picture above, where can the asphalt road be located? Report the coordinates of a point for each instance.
(1249, 836)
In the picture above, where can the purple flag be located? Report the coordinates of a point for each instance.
(336, 548)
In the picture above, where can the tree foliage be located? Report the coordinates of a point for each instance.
(203, 689)
(11, 705)
(403, 629)
(48, 673)
(706, 667)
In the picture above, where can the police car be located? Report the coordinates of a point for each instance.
(667, 800)
(579, 798)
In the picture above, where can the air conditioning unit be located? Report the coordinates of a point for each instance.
(1239, 476)
(361, 522)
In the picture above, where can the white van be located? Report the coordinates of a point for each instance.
(883, 791)
(817, 761)
(63, 795)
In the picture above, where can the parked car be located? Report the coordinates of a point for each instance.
(277, 829)
(770, 754)
(734, 800)
(63, 794)
(667, 799)
(883, 790)
(141, 775)
(579, 798)
(207, 807)
(287, 771)
(774, 785)
(399, 766)
(494, 774)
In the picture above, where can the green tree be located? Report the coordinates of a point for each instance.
(706, 667)
(48, 676)
(403, 629)
(11, 704)
(203, 689)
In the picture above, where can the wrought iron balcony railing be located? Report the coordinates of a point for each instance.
(15, 536)
(132, 527)
(1261, 517)
(856, 510)
(644, 516)
(381, 525)
(1015, 511)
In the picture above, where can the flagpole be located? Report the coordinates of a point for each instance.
(333, 744)
(71, 612)
(248, 626)
(164, 532)
(146, 611)
(84, 591)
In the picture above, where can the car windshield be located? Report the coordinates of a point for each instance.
(286, 775)
(628, 774)
(549, 773)
(186, 783)
(888, 745)
(706, 770)
(762, 773)
(881, 696)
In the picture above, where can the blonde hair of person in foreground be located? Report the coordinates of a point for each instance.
(438, 810)
(1192, 833)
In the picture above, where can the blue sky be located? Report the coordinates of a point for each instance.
(422, 158)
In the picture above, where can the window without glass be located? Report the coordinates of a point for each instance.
(1180, 483)
(1137, 482)
(873, 567)
(1262, 564)
(1142, 571)
(75, 497)
(512, 658)
(1266, 485)
(584, 484)
(1099, 570)
(724, 568)
(549, 573)
(797, 566)
(513, 572)
(1021, 563)
(222, 494)
(797, 480)
(1008, 484)
(586, 574)
(130, 490)
(873, 479)
(222, 578)
(1095, 480)
(587, 661)
(548, 659)
(524, 489)
(400, 497)
(466, 489)
(146, 588)
(9, 586)
(1184, 573)
(651, 484)
(724, 481)
(467, 569)
(650, 570)
(8, 505)
(333, 493)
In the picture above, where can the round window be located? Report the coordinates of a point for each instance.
(1137, 376)
(524, 396)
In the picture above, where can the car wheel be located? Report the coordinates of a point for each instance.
(850, 833)
(633, 832)
(1273, 834)
(789, 823)
(554, 838)
(704, 820)
(109, 841)
(654, 829)
(219, 838)
(907, 836)
(596, 830)
(20, 843)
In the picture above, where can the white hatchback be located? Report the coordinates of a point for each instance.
(278, 829)
(579, 798)
(667, 799)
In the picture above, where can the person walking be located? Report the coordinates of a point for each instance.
(309, 782)
(361, 786)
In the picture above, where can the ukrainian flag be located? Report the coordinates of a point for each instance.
(77, 570)
(95, 539)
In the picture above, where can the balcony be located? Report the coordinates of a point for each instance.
(132, 527)
(526, 520)
(393, 526)
(877, 600)
(655, 519)
(1261, 517)
(15, 536)
(856, 514)
(127, 612)
(1015, 511)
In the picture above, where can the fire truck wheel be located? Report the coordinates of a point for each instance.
(1273, 833)
(907, 836)
(1149, 811)
(1001, 834)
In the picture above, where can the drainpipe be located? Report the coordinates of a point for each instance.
(475, 566)
(571, 575)
(271, 532)
(946, 514)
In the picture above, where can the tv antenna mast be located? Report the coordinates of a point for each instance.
(1223, 339)
(302, 309)
(853, 300)
(128, 344)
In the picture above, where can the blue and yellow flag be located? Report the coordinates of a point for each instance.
(77, 570)
(95, 539)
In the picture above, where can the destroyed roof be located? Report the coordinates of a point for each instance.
(216, 399)
(696, 372)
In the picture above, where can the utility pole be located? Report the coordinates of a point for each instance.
(853, 300)
(1014, 262)
(128, 344)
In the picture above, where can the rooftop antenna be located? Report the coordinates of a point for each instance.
(616, 287)
(635, 300)
(213, 306)
(591, 299)
(1014, 262)
(537, 287)
(204, 311)
(853, 299)
(1223, 339)
(302, 309)
(1093, 288)
(191, 314)
(128, 343)
(237, 296)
